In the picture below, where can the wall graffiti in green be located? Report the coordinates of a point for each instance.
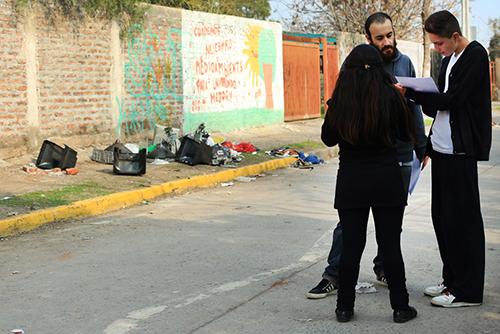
(152, 79)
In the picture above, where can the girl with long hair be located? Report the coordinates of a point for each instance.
(367, 117)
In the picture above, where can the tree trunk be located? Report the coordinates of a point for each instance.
(426, 64)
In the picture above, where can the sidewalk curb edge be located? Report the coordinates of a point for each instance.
(112, 202)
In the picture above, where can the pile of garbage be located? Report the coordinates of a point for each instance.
(304, 160)
(192, 149)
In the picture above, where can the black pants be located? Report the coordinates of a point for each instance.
(331, 272)
(458, 224)
(388, 221)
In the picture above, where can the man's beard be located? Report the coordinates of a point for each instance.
(388, 57)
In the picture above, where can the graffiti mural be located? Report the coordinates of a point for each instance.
(152, 78)
(261, 53)
(230, 68)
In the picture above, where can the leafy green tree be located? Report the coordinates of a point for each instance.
(258, 9)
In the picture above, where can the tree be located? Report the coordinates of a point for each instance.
(128, 12)
(494, 47)
(329, 16)
(258, 9)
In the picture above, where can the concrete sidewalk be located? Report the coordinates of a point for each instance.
(122, 191)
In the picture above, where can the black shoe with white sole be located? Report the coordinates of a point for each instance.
(324, 289)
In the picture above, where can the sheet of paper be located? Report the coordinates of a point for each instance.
(425, 85)
(415, 173)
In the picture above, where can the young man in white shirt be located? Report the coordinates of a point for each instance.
(460, 136)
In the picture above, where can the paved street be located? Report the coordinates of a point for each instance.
(229, 260)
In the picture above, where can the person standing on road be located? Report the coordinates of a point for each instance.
(367, 117)
(460, 137)
(379, 32)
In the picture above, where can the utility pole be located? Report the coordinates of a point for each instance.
(465, 19)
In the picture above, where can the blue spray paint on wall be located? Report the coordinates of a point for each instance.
(152, 79)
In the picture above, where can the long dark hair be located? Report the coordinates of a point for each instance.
(365, 108)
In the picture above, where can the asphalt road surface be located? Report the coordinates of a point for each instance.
(229, 260)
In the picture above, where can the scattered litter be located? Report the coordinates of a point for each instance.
(12, 213)
(56, 172)
(52, 155)
(34, 170)
(126, 163)
(72, 171)
(240, 147)
(305, 320)
(245, 179)
(310, 158)
(159, 162)
(218, 139)
(365, 287)
(5, 198)
(133, 148)
(284, 151)
(305, 161)
(106, 156)
(16, 331)
(201, 148)
(227, 184)
(15, 272)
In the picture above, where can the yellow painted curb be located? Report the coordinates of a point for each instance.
(108, 203)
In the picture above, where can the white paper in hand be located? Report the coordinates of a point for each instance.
(424, 85)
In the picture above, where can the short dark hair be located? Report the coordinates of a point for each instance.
(443, 24)
(379, 17)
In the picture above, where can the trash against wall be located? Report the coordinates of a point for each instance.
(54, 156)
(127, 163)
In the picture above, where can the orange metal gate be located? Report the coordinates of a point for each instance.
(301, 77)
(305, 58)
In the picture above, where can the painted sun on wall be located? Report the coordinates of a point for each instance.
(233, 76)
(261, 53)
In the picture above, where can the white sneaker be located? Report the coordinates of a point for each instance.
(448, 300)
(435, 290)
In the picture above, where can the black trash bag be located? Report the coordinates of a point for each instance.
(164, 150)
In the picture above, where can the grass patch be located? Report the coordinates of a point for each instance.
(307, 145)
(250, 159)
(61, 196)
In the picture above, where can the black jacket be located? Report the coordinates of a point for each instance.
(369, 174)
(402, 66)
(468, 99)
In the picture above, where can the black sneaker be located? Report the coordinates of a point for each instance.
(324, 289)
(401, 316)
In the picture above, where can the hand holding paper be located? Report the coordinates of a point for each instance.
(424, 85)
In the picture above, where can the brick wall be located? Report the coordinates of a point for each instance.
(13, 85)
(77, 82)
(73, 77)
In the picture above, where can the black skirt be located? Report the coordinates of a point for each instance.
(371, 182)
